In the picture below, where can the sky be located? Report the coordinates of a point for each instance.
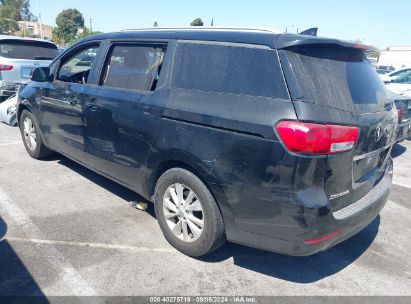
(380, 23)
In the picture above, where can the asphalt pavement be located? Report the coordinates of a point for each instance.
(68, 231)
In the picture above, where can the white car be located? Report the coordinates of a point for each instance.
(399, 82)
(18, 58)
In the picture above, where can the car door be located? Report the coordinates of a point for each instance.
(121, 112)
(62, 100)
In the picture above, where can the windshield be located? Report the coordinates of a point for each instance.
(27, 49)
(337, 77)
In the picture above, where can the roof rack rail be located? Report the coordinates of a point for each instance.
(251, 29)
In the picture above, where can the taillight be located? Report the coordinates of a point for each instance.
(323, 238)
(312, 138)
(402, 113)
(5, 67)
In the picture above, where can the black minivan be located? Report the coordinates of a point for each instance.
(276, 141)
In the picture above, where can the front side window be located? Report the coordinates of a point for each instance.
(77, 67)
(133, 67)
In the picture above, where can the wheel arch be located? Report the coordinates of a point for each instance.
(209, 180)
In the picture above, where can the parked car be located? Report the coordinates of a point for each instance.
(403, 105)
(8, 111)
(399, 81)
(233, 134)
(18, 58)
(384, 69)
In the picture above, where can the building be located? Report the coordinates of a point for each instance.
(35, 30)
(397, 56)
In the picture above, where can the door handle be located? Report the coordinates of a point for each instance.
(93, 107)
(74, 101)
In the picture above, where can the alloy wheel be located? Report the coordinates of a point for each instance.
(183, 212)
(29, 131)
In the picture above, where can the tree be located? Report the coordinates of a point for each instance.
(68, 23)
(8, 26)
(25, 12)
(12, 11)
(197, 22)
(16, 10)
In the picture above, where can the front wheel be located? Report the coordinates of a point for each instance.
(31, 136)
(187, 213)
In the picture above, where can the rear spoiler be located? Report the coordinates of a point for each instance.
(285, 41)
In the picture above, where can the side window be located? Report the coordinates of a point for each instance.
(76, 68)
(133, 67)
(402, 77)
(232, 69)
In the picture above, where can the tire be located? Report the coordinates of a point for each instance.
(32, 139)
(187, 240)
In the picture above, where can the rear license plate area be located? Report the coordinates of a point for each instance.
(26, 72)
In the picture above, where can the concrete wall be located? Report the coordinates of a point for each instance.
(398, 57)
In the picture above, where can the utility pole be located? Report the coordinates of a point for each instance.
(91, 25)
(41, 23)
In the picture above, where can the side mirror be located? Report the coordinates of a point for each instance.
(41, 74)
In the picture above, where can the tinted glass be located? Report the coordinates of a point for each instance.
(228, 69)
(402, 77)
(337, 77)
(33, 50)
(133, 67)
(76, 68)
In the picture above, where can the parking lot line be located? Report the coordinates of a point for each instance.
(92, 245)
(11, 143)
(68, 274)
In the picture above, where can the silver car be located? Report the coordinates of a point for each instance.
(18, 58)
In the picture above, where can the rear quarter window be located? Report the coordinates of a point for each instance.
(229, 69)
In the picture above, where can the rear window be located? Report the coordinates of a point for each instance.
(32, 50)
(337, 77)
(228, 69)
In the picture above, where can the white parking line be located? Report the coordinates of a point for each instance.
(68, 274)
(11, 143)
(402, 185)
(92, 245)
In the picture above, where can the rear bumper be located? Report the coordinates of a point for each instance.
(347, 222)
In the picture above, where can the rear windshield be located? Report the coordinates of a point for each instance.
(337, 77)
(32, 50)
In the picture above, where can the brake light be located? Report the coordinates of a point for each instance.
(312, 138)
(401, 115)
(5, 67)
(323, 238)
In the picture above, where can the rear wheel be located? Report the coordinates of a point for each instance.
(31, 136)
(187, 213)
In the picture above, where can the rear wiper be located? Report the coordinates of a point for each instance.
(42, 58)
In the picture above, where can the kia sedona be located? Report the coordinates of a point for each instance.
(276, 141)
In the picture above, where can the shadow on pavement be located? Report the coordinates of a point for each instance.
(109, 185)
(397, 150)
(299, 269)
(294, 269)
(15, 279)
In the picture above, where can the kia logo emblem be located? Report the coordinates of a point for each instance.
(387, 129)
(378, 134)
